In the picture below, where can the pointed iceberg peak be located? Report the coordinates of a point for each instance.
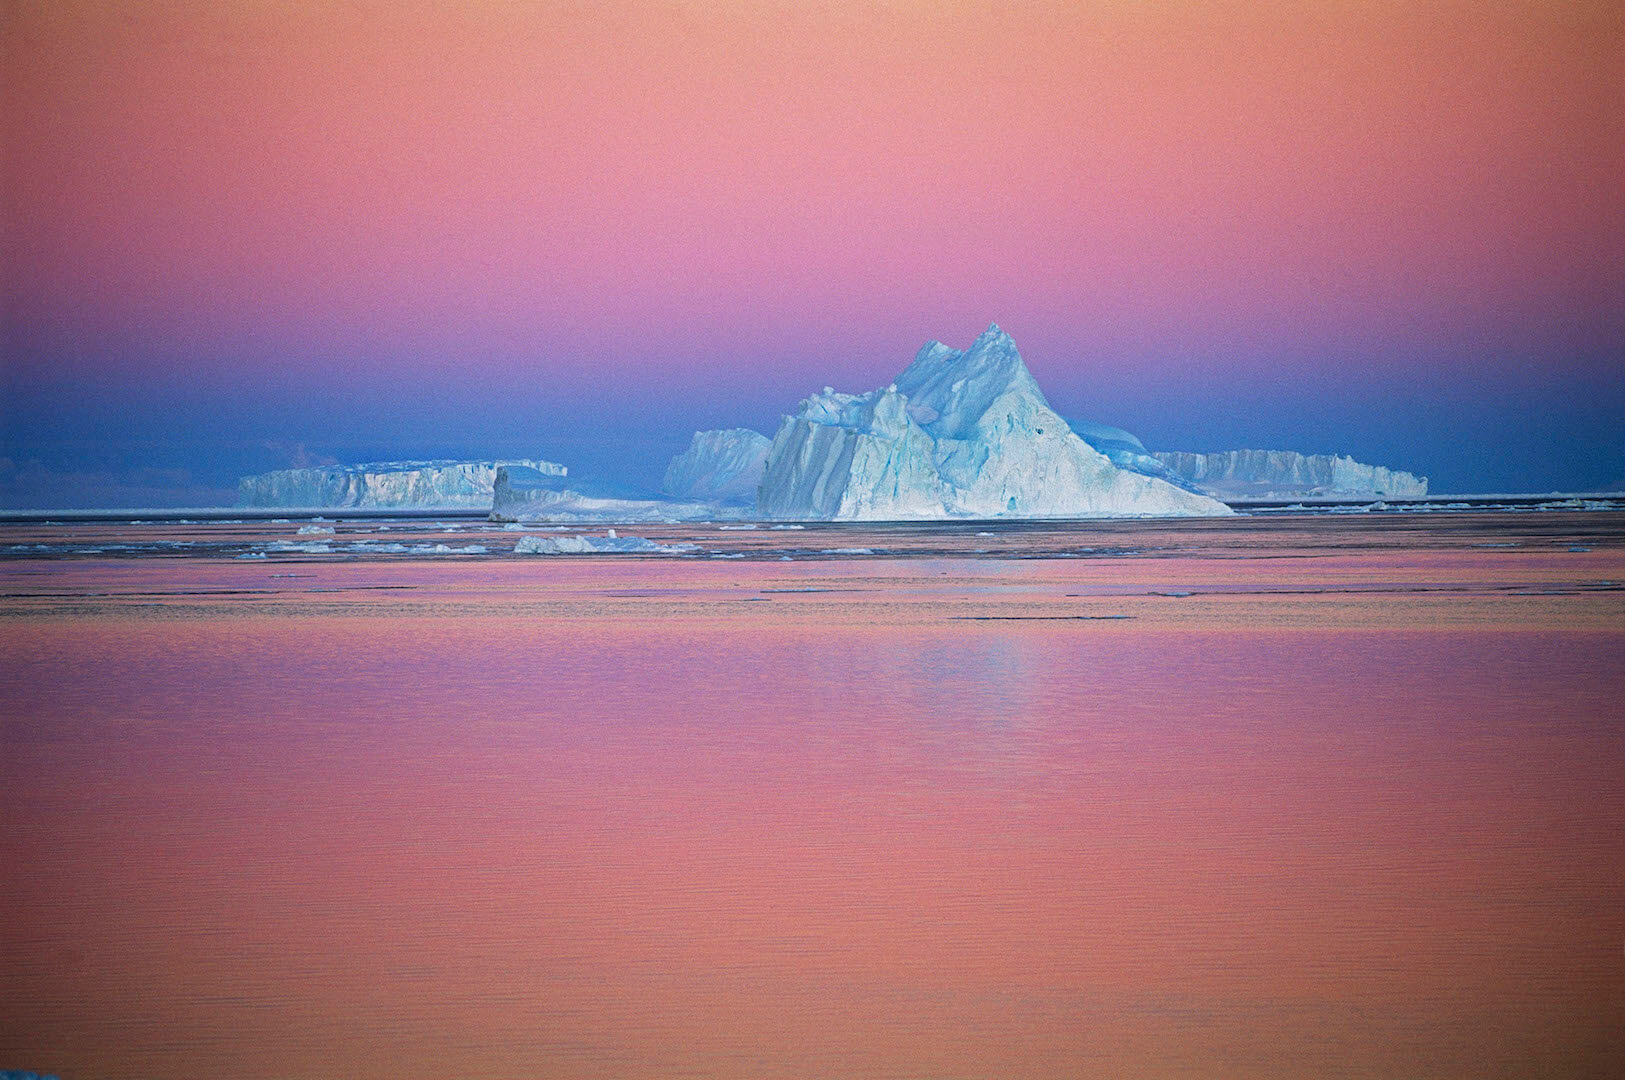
(993, 345)
(960, 386)
(960, 433)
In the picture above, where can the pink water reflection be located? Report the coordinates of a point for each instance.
(431, 833)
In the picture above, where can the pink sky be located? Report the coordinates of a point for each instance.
(670, 194)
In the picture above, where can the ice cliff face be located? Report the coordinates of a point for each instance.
(959, 434)
(719, 466)
(437, 484)
(1263, 474)
(1126, 451)
(526, 494)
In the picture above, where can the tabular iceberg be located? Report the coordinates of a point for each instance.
(525, 494)
(719, 466)
(1264, 474)
(417, 484)
(960, 434)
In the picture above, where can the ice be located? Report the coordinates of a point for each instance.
(314, 530)
(309, 547)
(719, 466)
(427, 484)
(1275, 474)
(959, 434)
(1125, 450)
(595, 545)
(523, 494)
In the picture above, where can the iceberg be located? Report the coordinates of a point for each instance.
(719, 466)
(959, 434)
(1126, 451)
(1278, 474)
(385, 484)
(525, 494)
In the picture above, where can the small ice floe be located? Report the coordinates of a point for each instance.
(1579, 548)
(445, 549)
(314, 530)
(378, 548)
(736, 528)
(252, 555)
(848, 551)
(597, 545)
(309, 547)
(984, 534)
(785, 527)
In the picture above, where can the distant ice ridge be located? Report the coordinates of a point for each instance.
(963, 434)
(1265, 474)
(425, 484)
(525, 494)
(719, 466)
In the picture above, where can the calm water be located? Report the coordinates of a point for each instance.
(1307, 796)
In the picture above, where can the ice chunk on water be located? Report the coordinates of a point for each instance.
(594, 545)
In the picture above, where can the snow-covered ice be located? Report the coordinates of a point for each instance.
(959, 434)
(594, 545)
(384, 484)
(1266, 474)
(523, 494)
(719, 466)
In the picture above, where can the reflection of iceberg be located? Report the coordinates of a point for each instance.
(523, 494)
(959, 434)
(1289, 474)
(419, 484)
